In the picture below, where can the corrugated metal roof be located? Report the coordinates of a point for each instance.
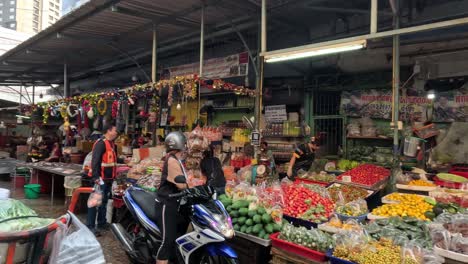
(102, 30)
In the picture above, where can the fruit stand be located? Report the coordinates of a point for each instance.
(346, 220)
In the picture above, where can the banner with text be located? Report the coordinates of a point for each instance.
(218, 68)
(451, 106)
(378, 104)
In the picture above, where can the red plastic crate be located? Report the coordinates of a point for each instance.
(446, 184)
(297, 249)
(460, 170)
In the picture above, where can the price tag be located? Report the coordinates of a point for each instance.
(346, 178)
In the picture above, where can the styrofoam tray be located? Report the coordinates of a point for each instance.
(371, 216)
(416, 188)
(369, 192)
(451, 255)
(260, 241)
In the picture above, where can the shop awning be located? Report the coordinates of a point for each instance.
(105, 35)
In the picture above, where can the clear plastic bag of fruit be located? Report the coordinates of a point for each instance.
(459, 244)
(354, 208)
(440, 237)
(229, 189)
(414, 253)
(244, 191)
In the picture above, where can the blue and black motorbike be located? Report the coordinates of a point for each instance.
(205, 244)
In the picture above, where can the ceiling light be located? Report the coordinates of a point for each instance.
(315, 51)
(2, 124)
(178, 107)
(431, 94)
(23, 117)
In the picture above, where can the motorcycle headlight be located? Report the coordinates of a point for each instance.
(223, 226)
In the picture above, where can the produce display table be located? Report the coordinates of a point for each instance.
(52, 168)
(280, 256)
(250, 249)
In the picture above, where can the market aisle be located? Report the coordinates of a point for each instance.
(111, 247)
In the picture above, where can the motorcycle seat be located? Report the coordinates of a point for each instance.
(146, 201)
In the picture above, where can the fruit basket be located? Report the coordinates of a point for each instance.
(335, 260)
(297, 249)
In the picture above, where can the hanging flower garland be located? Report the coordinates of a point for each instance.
(115, 108)
(102, 106)
(63, 111)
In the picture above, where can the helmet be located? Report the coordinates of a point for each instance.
(175, 141)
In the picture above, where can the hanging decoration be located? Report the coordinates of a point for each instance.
(70, 112)
(96, 103)
(102, 106)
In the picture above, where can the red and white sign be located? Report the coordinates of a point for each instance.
(218, 68)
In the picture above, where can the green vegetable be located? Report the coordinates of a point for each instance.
(276, 227)
(269, 228)
(257, 219)
(234, 220)
(261, 210)
(266, 237)
(236, 205)
(223, 197)
(226, 203)
(229, 208)
(257, 228)
(236, 227)
(261, 234)
(249, 222)
(252, 213)
(243, 228)
(243, 211)
(234, 214)
(248, 230)
(266, 218)
(241, 220)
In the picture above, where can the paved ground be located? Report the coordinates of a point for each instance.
(113, 252)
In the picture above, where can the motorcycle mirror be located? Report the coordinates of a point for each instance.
(180, 179)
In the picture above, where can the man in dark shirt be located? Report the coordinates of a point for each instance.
(302, 158)
(103, 171)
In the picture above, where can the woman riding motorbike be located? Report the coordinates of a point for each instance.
(168, 218)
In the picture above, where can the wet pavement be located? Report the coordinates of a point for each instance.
(113, 252)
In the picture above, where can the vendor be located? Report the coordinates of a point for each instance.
(212, 169)
(303, 157)
(55, 154)
(34, 155)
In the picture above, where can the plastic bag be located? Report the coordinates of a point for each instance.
(95, 198)
(78, 246)
(440, 237)
(354, 208)
(459, 244)
(10, 208)
(353, 129)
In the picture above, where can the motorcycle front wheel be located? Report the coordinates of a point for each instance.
(207, 259)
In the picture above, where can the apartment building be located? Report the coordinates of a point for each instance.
(29, 16)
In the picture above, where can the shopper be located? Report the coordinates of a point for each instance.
(172, 223)
(103, 171)
(212, 169)
(302, 158)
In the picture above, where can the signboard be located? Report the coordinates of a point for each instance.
(218, 68)
(276, 113)
(378, 104)
(255, 138)
(163, 117)
(451, 107)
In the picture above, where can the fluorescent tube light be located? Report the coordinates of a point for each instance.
(23, 117)
(316, 51)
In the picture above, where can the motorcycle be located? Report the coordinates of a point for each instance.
(205, 244)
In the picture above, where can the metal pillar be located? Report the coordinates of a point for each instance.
(374, 14)
(260, 65)
(202, 54)
(155, 138)
(66, 84)
(396, 81)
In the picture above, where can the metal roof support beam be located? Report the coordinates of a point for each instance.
(202, 54)
(344, 10)
(66, 84)
(154, 17)
(261, 62)
(378, 35)
(396, 86)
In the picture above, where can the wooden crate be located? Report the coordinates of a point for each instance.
(279, 256)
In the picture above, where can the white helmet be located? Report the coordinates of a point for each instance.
(175, 141)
